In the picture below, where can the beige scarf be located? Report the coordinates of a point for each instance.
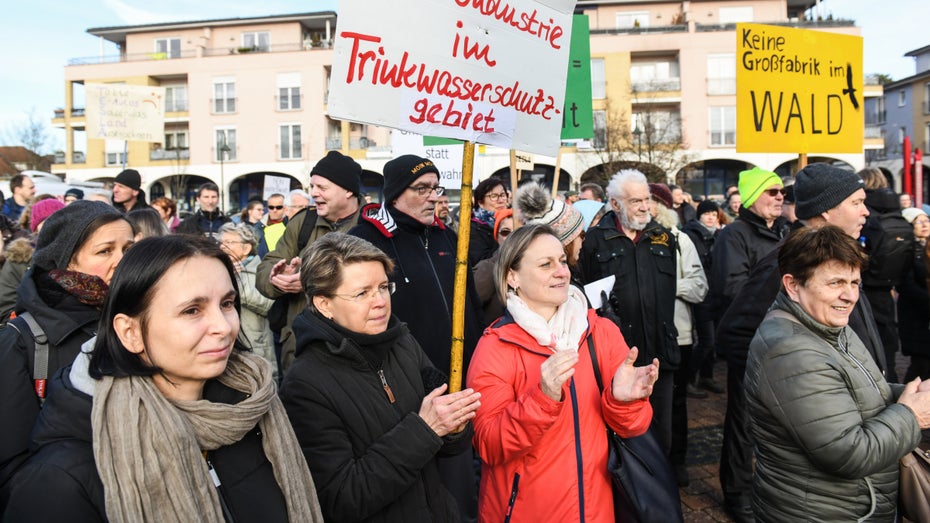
(563, 331)
(148, 449)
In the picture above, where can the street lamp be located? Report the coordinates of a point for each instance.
(638, 133)
(224, 150)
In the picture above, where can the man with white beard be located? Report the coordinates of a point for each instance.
(628, 244)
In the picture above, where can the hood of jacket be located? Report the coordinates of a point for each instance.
(882, 200)
(67, 317)
(19, 250)
(313, 333)
(777, 231)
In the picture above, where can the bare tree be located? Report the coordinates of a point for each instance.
(32, 134)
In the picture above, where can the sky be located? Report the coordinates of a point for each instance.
(43, 35)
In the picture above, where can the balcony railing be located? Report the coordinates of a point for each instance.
(354, 143)
(176, 107)
(75, 112)
(658, 85)
(680, 28)
(873, 132)
(76, 157)
(169, 154)
(808, 24)
(192, 53)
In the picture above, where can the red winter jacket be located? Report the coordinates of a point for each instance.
(520, 430)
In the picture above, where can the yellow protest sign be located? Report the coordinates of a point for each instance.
(798, 90)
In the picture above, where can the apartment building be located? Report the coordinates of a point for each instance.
(247, 99)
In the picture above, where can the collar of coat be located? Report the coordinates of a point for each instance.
(383, 219)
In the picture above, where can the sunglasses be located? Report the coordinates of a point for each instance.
(775, 192)
(275, 207)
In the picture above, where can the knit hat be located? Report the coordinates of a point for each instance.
(661, 192)
(42, 210)
(500, 216)
(820, 187)
(532, 204)
(402, 171)
(339, 169)
(911, 213)
(59, 236)
(753, 182)
(130, 178)
(76, 193)
(707, 206)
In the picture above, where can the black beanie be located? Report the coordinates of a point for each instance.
(402, 171)
(60, 233)
(820, 187)
(339, 169)
(130, 178)
(707, 206)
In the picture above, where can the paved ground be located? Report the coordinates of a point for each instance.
(702, 500)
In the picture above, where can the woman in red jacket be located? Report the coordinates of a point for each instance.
(540, 430)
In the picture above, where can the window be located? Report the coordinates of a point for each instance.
(880, 110)
(732, 15)
(633, 19)
(224, 95)
(902, 98)
(655, 75)
(176, 140)
(598, 79)
(902, 132)
(927, 137)
(116, 152)
(168, 47)
(600, 129)
(290, 146)
(225, 138)
(257, 40)
(723, 126)
(927, 98)
(657, 126)
(288, 91)
(175, 98)
(721, 74)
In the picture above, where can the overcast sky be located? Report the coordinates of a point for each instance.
(42, 35)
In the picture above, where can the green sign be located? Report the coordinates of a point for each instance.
(578, 116)
(430, 141)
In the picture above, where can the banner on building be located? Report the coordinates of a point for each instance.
(798, 90)
(578, 115)
(488, 72)
(135, 113)
(446, 154)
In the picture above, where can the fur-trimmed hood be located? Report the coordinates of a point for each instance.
(19, 250)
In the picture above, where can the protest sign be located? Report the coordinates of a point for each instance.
(446, 154)
(578, 116)
(134, 113)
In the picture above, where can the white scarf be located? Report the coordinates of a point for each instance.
(563, 331)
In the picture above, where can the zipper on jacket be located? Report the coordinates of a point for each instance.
(845, 348)
(227, 514)
(571, 388)
(513, 496)
(387, 388)
(436, 275)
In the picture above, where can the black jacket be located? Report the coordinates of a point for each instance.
(371, 459)
(914, 308)
(204, 223)
(738, 326)
(703, 241)
(424, 258)
(738, 248)
(644, 291)
(481, 243)
(63, 469)
(68, 323)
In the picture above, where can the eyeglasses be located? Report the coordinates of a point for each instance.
(775, 192)
(921, 221)
(275, 207)
(424, 190)
(229, 243)
(384, 290)
(496, 196)
(503, 233)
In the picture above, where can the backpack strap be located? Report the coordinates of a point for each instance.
(40, 362)
(306, 229)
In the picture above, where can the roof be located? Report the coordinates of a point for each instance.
(117, 34)
(794, 6)
(917, 52)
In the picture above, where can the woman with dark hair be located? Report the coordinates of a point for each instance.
(167, 386)
(490, 196)
(365, 401)
(252, 214)
(829, 429)
(147, 223)
(77, 251)
(541, 428)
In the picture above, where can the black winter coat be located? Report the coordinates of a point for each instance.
(371, 459)
(68, 323)
(62, 467)
(204, 223)
(424, 258)
(645, 288)
(481, 243)
(914, 308)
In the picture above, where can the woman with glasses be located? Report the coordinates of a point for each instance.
(914, 301)
(239, 242)
(368, 407)
(490, 197)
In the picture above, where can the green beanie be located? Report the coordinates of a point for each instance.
(753, 182)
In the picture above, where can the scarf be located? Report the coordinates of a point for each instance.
(563, 331)
(87, 288)
(148, 449)
(373, 347)
(484, 216)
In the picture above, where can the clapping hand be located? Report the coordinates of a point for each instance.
(447, 414)
(555, 371)
(286, 275)
(632, 383)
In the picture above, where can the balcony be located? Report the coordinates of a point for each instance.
(680, 28)
(76, 112)
(657, 85)
(192, 53)
(76, 157)
(873, 132)
(169, 154)
(801, 24)
(355, 143)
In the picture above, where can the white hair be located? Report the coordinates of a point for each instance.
(289, 199)
(666, 217)
(619, 180)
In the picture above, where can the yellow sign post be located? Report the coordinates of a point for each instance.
(798, 90)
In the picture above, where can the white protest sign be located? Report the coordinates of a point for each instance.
(447, 157)
(488, 71)
(275, 184)
(134, 113)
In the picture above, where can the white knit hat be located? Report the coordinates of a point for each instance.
(532, 204)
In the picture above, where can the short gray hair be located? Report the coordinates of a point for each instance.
(289, 200)
(321, 270)
(246, 233)
(619, 180)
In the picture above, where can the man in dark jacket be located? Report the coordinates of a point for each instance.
(24, 191)
(824, 195)
(209, 218)
(738, 249)
(335, 182)
(127, 191)
(424, 252)
(628, 244)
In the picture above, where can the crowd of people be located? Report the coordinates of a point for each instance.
(290, 362)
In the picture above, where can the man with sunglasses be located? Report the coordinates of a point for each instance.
(272, 225)
(405, 227)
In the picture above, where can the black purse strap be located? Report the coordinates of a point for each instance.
(597, 368)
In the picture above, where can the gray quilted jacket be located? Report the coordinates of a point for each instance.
(828, 431)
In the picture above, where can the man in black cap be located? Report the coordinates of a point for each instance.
(335, 183)
(824, 195)
(406, 228)
(127, 191)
